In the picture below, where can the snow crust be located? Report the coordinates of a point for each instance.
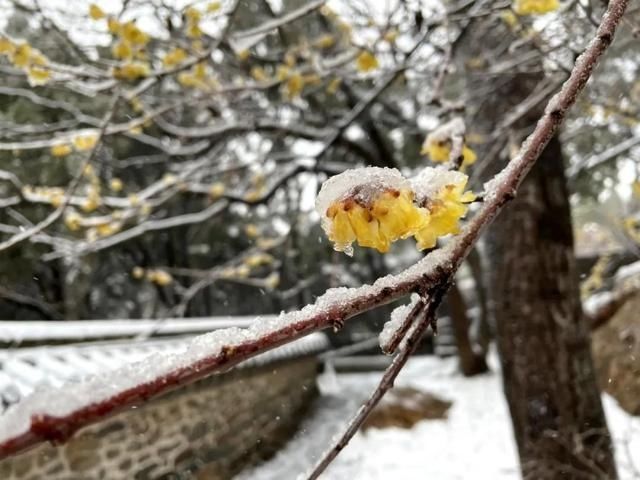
(341, 185)
(432, 180)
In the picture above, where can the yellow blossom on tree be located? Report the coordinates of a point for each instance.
(242, 271)
(258, 259)
(440, 150)
(390, 35)
(251, 230)
(114, 26)
(22, 55)
(92, 201)
(325, 41)
(95, 12)
(174, 57)
(137, 272)
(375, 222)
(122, 50)
(7, 47)
(217, 190)
(446, 209)
(509, 18)
(366, 61)
(194, 30)
(37, 75)
(169, 179)
(213, 7)
(131, 71)
(159, 277)
(134, 199)
(272, 281)
(333, 85)
(535, 7)
(85, 142)
(131, 33)
(72, 220)
(108, 229)
(56, 197)
(116, 185)
(243, 54)
(61, 149)
(293, 86)
(192, 14)
(259, 74)
(375, 207)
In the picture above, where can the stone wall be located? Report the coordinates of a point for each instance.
(210, 430)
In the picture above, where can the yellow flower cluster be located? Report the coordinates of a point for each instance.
(80, 143)
(199, 76)
(445, 212)
(174, 57)
(61, 150)
(535, 7)
(375, 215)
(216, 190)
(159, 277)
(366, 61)
(85, 142)
(324, 41)
(29, 59)
(258, 259)
(129, 46)
(193, 17)
(391, 216)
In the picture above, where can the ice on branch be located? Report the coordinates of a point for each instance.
(439, 144)
(378, 206)
(398, 317)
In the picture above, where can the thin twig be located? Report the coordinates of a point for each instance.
(386, 383)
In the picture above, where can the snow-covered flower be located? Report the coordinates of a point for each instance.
(378, 206)
(442, 193)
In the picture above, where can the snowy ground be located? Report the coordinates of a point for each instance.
(474, 442)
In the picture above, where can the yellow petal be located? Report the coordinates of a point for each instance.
(366, 61)
(95, 12)
(61, 150)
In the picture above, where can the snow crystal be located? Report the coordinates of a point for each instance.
(431, 180)
(339, 186)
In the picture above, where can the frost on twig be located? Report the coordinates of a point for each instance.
(377, 206)
(402, 322)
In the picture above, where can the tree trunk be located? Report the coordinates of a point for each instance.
(542, 337)
(471, 362)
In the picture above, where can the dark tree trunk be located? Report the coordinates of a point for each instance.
(471, 361)
(542, 337)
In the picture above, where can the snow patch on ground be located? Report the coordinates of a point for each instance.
(476, 440)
